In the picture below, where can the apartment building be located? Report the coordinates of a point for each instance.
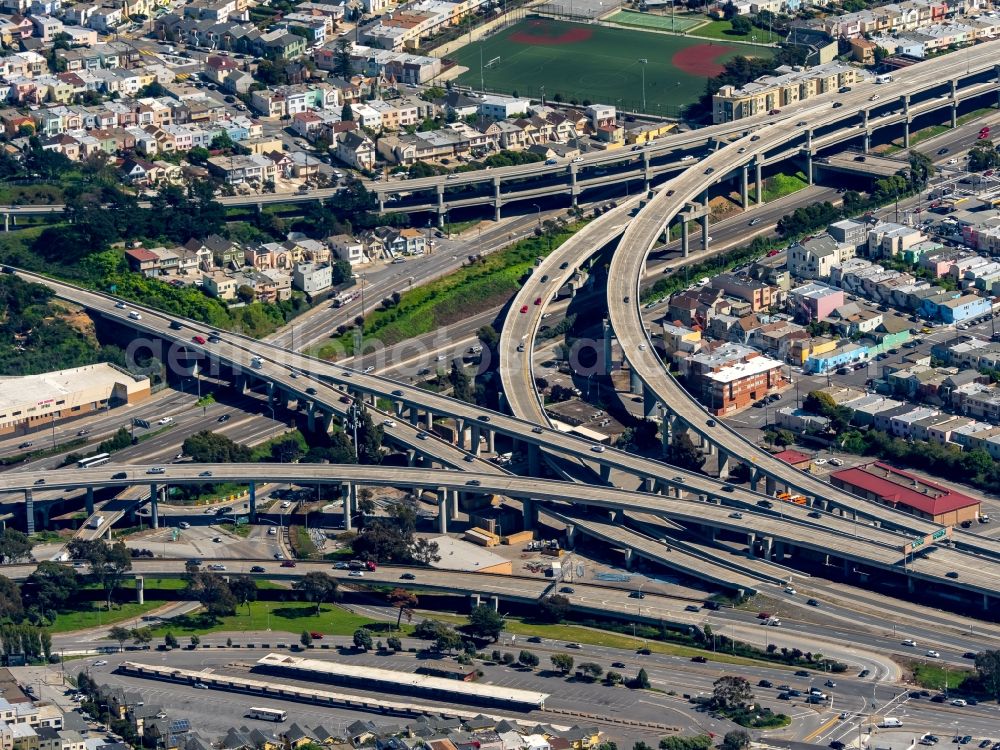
(787, 86)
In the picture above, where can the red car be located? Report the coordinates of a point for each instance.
(524, 308)
(288, 564)
(316, 636)
(538, 300)
(198, 339)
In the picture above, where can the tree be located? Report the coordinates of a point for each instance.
(369, 439)
(447, 639)
(684, 453)
(15, 546)
(741, 25)
(736, 739)
(641, 680)
(120, 634)
(244, 590)
(640, 745)
(394, 643)
(170, 641)
(988, 667)
(11, 606)
(306, 638)
(142, 636)
(562, 662)
(363, 639)
(730, 691)
(592, 670)
(317, 587)
(614, 678)
(460, 383)
(346, 113)
(195, 640)
(405, 601)
(212, 592)
(553, 608)
(527, 659)
(342, 58)
(485, 622)
(107, 563)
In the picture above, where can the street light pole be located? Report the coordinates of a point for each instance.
(643, 62)
(539, 210)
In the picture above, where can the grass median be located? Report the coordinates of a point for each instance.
(484, 284)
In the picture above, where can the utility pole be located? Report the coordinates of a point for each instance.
(643, 62)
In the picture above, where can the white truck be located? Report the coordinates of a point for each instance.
(555, 570)
(884, 78)
(96, 522)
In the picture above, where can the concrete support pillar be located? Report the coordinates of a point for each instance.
(29, 511)
(90, 501)
(346, 494)
(442, 494)
(414, 416)
(534, 461)
(605, 473)
(154, 505)
(495, 601)
(906, 120)
(751, 540)
(497, 200)
(754, 479)
(954, 115)
(474, 601)
(629, 559)
(648, 402)
(460, 433)
(986, 602)
(490, 441)
(685, 249)
(769, 485)
(474, 448)
(666, 433)
(397, 408)
(767, 544)
(574, 189)
(440, 205)
(847, 568)
(570, 536)
(723, 464)
(529, 514)
(648, 484)
(310, 416)
(758, 182)
(253, 502)
(453, 504)
(647, 170)
(744, 187)
(608, 337)
(809, 166)
(634, 383)
(704, 232)
(429, 420)
(866, 141)
(140, 596)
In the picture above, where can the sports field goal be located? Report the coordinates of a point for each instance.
(493, 63)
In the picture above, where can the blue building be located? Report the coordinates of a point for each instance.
(845, 355)
(956, 308)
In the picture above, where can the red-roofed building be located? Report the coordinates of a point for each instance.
(143, 261)
(908, 493)
(795, 458)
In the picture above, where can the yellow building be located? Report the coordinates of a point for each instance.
(790, 85)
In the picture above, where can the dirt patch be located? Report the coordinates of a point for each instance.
(78, 319)
(701, 59)
(542, 33)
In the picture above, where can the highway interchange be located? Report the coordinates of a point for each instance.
(685, 497)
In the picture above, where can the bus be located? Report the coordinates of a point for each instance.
(267, 714)
(92, 461)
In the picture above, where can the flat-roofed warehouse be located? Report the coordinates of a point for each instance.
(392, 681)
(37, 401)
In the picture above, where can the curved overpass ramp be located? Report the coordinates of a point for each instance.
(627, 266)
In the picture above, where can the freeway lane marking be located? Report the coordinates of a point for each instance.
(813, 735)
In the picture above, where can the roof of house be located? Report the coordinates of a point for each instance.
(790, 456)
(903, 488)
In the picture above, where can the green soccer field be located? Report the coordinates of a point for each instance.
(597, 63)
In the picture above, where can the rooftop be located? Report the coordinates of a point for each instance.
(897, 487)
